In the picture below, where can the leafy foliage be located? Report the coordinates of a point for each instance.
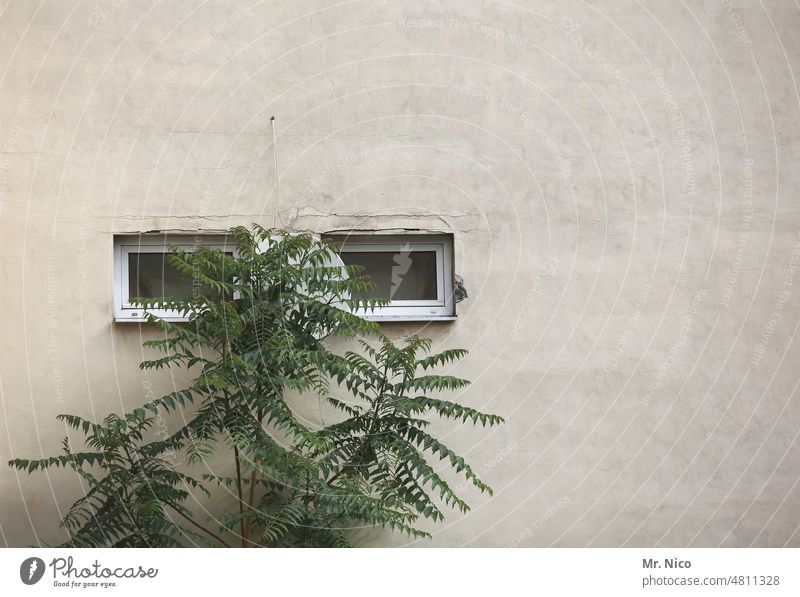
(384, 443)
(253, 337)
(132, 489)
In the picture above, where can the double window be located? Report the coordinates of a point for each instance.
(414, 273)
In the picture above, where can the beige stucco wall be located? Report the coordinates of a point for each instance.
(621, 178)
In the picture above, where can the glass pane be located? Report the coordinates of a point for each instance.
(150, 275)
(404, 275)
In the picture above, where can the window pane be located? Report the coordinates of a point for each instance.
(404, 275)
(150, 276)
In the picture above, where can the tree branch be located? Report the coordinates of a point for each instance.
(242, 525)
(250, 501)
(199, 526)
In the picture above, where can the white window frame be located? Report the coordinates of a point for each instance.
(440, 309)
(126, 244)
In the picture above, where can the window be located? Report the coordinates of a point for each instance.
(414, 273)
(141, 269)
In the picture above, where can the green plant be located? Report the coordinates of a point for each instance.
(254, 337)
(131, 488)
(383, 443)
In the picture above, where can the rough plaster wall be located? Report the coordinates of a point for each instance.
(621, 179)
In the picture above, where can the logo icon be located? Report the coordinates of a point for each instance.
(31, 571)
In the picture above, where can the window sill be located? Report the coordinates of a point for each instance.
(375, 318)
(399, 318)
(144, 319)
